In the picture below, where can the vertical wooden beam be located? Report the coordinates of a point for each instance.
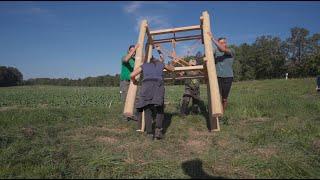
(149, 52)
(201, 25)
(132, 91)
(214, 98)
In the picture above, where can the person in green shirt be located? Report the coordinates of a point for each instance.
(224, 58)
(127, 66)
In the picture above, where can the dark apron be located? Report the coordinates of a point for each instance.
(152, 92)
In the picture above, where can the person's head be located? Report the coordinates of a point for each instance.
(223, 41)
(192, 62)
(131, 48)
(198, 57)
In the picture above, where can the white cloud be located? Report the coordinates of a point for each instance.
(132, 7)
(143, 10)
(156, 21)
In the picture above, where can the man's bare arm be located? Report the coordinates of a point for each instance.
(136, 72)
(158, 47)
(169, 67)
(221, 48)
(128, 56)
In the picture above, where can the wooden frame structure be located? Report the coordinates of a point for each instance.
(209, 70)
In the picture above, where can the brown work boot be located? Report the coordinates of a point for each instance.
(158, 133)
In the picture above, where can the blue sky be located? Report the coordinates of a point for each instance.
(81, 39)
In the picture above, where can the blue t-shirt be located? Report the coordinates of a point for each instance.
(224, 62)
(152, 70)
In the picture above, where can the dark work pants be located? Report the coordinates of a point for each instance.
(185, 103)
(225, 86)
(159, 111)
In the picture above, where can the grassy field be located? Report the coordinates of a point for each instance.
(271, 129)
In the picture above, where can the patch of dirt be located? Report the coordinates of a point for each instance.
(78, 136)
(197, 146)
(133, 145)
(254, 120)
(160, 152)
(28, 132)
(223, 143)
(94, 128)
(7, 108)
(44, 105)
(105, 139)
(119, 130)
(226, 169)
(194, 133)
(265, 152)
(316, 145)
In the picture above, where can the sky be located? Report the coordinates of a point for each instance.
(81, 39)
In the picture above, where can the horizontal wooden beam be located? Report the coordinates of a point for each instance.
(174, 30)
(184, 38)
(187, 68)
(185, 77)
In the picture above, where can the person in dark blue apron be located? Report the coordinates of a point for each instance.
(152, 93)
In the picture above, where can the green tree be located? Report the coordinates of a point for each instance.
(10, 76)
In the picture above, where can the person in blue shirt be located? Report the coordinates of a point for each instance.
(224, 58)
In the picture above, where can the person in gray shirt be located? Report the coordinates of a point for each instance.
(224, 58)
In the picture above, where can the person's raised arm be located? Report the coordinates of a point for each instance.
(128, 56)
(169, 67)
(158, 47)
(136, 72)
(220, 47)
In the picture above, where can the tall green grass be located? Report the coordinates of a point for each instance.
(271, 130)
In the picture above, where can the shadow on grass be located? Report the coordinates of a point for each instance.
(205, 114)
(167, 121)
(194, 169)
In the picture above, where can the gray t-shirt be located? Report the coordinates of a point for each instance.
(224, 62)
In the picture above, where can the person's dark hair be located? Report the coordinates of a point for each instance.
(198, 57)
(221, 38)
(131, 46)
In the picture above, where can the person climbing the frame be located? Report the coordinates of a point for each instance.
(127, 66)
(191, 89)
(152, 93)
(224, 58)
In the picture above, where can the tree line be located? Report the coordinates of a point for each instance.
(268, 57)
(107, 80)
